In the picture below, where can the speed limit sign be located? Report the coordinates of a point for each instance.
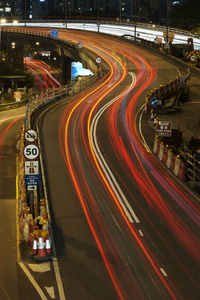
(31, 152)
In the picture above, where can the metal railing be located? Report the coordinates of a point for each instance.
(57, 93)
(193, 167)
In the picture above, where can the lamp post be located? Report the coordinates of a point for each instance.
(2, 21)
(135, 19)
(65, 13)
(167, 20)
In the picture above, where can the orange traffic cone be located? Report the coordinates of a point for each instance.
(41, 251)
(47, 245)
(34, 250)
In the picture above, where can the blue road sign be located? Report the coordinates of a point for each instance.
(32, 179)
(154, 102)
(54, 33)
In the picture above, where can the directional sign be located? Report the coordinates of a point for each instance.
(164, 129)
(30, 135)
(31, 167)
(31, 152)
(32, 180)
(54, 33)
(32, 187)
(154, 102)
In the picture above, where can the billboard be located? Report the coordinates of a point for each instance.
(78, 70)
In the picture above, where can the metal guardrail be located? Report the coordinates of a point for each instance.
(110, 22)
(193, 167)
(55, 94)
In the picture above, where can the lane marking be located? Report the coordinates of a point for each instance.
(44, 267)
(32, 280)
(102, 162)
(163, 271)
(141, 233)
(55, 261)
(50, 291)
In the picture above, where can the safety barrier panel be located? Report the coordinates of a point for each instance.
(172, 161)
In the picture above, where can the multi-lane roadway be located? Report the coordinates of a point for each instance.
(124, 227)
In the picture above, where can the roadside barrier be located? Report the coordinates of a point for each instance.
(172, 161)
(160, 154)
(182, 171)
(169, 158)
(172, 165)
(156, 141)
(165, 155)
(176, 165)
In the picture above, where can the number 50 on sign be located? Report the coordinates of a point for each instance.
(31, 152)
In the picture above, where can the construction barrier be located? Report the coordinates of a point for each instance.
(41, 247)
(176, 165)
(167, 157)
(182, 171)
(160, 154)
(172, 165)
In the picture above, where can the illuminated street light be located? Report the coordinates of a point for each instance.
(1, 22)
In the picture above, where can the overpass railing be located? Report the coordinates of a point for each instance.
(56, 93)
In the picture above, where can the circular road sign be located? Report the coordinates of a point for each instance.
(98, 60)
(154, 102)
(31, 152)
(192, 58)
(30, 135)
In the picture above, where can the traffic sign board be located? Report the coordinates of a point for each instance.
(31, 167)
(167, 46)
(192, 58)
(30, 135)
(164, 128)
(31, 152)
(54, 33)
(98, 60)
(32, 179)
(32, 187)
(80, 44)
(154, 102)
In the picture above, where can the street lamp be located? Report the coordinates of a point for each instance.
(135, 19)
(1, 22)
(66, 13)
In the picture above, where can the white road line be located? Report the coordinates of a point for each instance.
(58, 279)
(32, 280)
(140, 232)
(163, 271)
(55, 261)
(102, 162)
(140, 129)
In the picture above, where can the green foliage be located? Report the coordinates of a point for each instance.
(186, 15)
(6, 69)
